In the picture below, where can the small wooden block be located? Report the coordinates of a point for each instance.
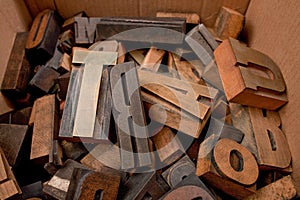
(273, 149)
(18, 70)
(8, 184)
(229, 23)
(43, 81)
(153, 59)
(85, 30)
(179, 171)
(143, 185)
(154, 30)
(257, 81)
(129, 117)
(87, 184)
(280, 189)
(216, 168)
(190, 187)
(45, 128)
(191, 18)
(12, 140)
(58, 185)
(67, 41)
(167, 145)
(43, 36)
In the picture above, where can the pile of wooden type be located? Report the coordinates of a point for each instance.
(142, 108)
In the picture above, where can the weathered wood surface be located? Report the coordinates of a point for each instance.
(257, 81)
(18, 70)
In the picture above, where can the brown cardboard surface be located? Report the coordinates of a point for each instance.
(14, 17)
(36, 6)
(98, 8)
(273, 27)
(150, 7)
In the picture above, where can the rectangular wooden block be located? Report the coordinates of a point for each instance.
(257, 82)
(191, 18)
(45, 128)
(87, 184)
(18, 70)
(112, 27)
(8, 184)
(43, 36)
(13, 139)
(129, 116)
(229, 23)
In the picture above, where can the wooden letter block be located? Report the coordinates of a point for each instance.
(129, 116)
(43, 81)
(281, 189)
(229, 23)
(257, 81)
(179, 171)
(154, 30)
(58, 185)
(12, 138)
(190, 187)
(272, 146)
(168, 146)
(18, 70)
(87, 184)
(8, 184)
(153, 59)
(219, 169)
(85, 30)
(43, 36)
(143, 186)
(45, 128)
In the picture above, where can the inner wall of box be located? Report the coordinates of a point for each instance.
(271, 27)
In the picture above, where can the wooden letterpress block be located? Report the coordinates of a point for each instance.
(167, 145)
(79, 92)
(87, 184)
(153, 59)
(13, 139)
(191, 18)
(179, 171)
(85, 30)
(123, 29)
(143, 185)
(67, 41)
(190, 187)
(43, 36)
(18, 70)
(43, 81)
(229, 23)
(257, 81)
(8, 184)
(129, 117)
(58, 185)
(272, 147)
(229, 167)
(281, 189)
(33, 190)
(55, 60)
(193, 101)
(20, 117)
(70, 22)
(45, 128)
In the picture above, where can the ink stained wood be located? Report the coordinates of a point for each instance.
(18, 71)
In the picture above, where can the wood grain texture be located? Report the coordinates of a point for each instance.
(192, 18)
(257, 81)
(278, 27)
(272, 146)
(153, 59)
(45, 127)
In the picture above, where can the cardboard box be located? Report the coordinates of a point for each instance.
(271, 27)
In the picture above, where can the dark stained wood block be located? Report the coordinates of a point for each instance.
(13, 139)
(123, 29)
(18, 71)
(43, 36)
